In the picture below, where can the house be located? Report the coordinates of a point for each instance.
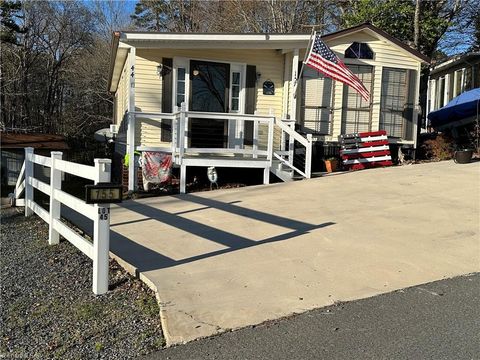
(227, 100)
(451, 77)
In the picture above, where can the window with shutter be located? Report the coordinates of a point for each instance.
(397, 102)
(356, 111)
(316, 103)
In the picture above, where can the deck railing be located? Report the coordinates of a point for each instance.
(98, 249)
(296, 151)
(297, 154)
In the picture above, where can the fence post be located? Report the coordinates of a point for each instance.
(28, 175)
(55, 183)
(101, 231)
(308, 157)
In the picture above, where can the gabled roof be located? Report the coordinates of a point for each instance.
(121, 41)
(368, 26)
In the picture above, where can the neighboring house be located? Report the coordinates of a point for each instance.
(13, 154)
(223, 78)
(452, 77)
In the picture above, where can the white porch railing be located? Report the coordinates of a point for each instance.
(262, 148)
(98, 249)
(290, 155)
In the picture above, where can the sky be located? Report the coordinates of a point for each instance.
(452, 43)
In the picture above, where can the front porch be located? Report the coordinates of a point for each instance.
(273, 144)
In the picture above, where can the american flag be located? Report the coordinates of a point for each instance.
(322, 59)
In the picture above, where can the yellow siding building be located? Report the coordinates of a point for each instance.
(154, 73)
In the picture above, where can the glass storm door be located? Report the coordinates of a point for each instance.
(209, 90)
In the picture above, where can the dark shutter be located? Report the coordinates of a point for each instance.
(250, 100)
(167, 85)
(409, 107)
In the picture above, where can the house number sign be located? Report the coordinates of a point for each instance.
(103, 193)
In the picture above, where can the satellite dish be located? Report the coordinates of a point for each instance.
(103, 135)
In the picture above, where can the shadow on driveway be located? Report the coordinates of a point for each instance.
(146, 259)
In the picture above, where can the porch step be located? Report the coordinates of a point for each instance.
(283, 172)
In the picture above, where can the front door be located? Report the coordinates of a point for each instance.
(209, 93)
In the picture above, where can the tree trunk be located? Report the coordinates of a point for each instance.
(416, 26)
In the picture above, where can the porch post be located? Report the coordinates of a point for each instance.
(132, 178)
(295, 76)
(182, 140)
(131, 152)
(183, 179)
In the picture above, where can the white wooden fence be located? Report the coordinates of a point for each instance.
(98, 249)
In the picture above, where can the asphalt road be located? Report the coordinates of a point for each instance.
(440, 320)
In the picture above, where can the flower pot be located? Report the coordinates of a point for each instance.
(463, 156)
(331, 165)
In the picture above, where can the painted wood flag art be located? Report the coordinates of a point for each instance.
(365, 150)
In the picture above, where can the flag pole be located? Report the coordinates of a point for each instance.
(307, 52)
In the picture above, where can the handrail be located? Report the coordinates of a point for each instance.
(292, 133)
(161, 116)
(306, 142)
(226, 116)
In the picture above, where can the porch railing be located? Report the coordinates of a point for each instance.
(180, 133)
(296, 150)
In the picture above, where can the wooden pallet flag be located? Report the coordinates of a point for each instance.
(365, 150)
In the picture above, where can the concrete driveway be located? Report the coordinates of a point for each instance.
(231, 258)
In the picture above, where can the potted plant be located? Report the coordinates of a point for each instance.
(463, 156)
(331, 164)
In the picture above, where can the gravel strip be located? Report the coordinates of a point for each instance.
(48, 310)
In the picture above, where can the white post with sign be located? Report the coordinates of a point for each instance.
(101, 232)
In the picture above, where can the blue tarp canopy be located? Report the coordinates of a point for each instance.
(466, 105)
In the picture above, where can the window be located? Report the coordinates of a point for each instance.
(397, 102)
(458, 83)
(468, 78)
(476, 76)
(356, 112)
(235, 98)
(450, 85)
(359, 51)
(316, 102)
(440, 92)
(180, 86)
